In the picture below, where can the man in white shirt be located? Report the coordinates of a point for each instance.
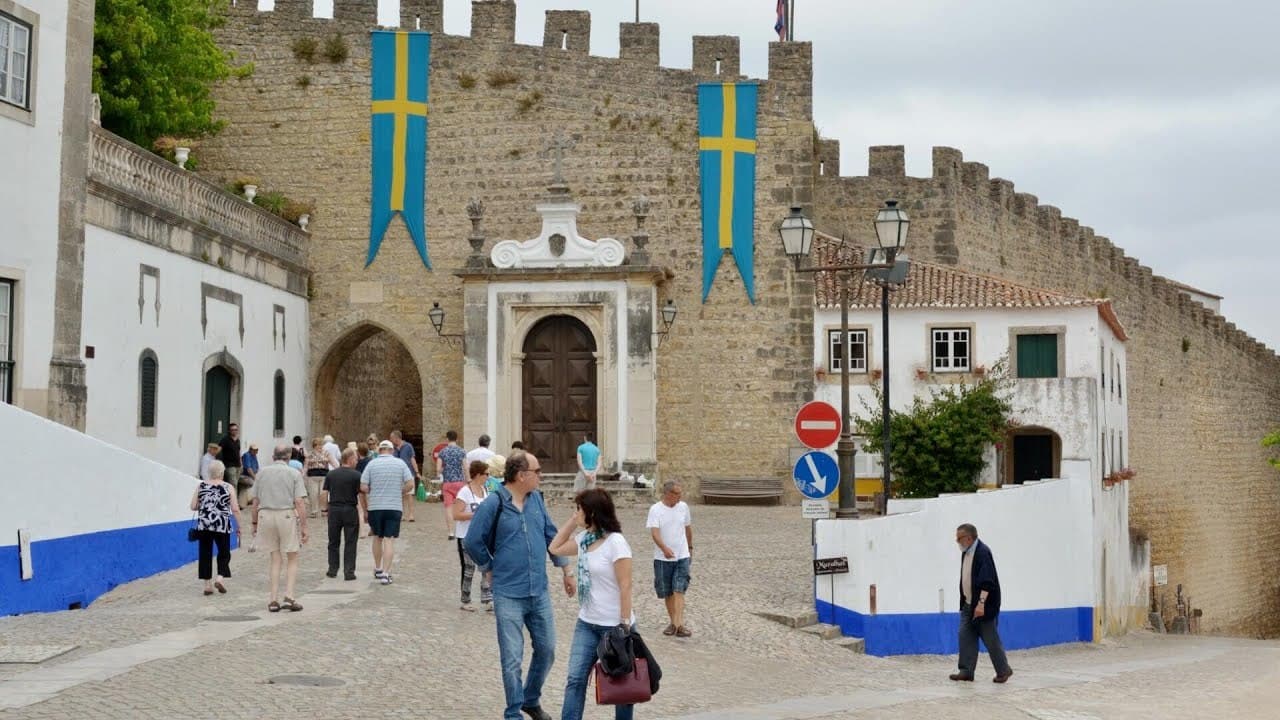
(671, 527)
(333, 452)
(481, 453)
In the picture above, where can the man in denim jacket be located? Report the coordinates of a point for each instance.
(509, 535)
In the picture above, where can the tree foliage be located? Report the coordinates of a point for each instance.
(937, 446)
(1272, 440)
(154, 62)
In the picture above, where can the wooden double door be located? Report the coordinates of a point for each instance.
(559, 397)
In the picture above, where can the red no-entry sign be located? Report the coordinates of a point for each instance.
(818, 425)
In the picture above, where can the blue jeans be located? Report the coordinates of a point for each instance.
(513, 616)
(582, 657)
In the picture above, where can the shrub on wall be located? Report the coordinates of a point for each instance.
(1272, 440)
(938, 444)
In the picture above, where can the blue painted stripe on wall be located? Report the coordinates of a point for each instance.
(80, 568)
(935, 633)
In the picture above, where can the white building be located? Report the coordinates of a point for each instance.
(141, 307)
(1065, 354)
(33, 43)
(1058, 523)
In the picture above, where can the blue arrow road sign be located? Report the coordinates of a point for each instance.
(816, 475)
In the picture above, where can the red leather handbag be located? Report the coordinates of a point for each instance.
(627, 689)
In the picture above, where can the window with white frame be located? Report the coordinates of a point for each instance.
(6, 341)
(951, 350)
(15, 61)
(855, 350)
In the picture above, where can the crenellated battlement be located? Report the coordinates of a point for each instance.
(568, 30)
(493, 22)
(955, 182)
(716, 55)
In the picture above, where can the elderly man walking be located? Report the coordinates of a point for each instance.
(280, 523)
(672, 531)
(341, 496)
(979, 607)
(511, 535)
(384, 480)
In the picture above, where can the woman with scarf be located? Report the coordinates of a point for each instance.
(594, 535)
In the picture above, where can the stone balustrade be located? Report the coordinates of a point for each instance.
(133, 172)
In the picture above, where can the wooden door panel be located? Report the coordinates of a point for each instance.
(559, 390)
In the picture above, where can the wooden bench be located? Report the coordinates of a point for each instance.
(737, 488)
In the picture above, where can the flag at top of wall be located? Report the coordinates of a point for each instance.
(400, 64)
(727, 159)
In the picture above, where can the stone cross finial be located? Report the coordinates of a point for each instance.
(555, 147)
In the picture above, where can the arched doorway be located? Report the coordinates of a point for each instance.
(221, 394)
(367, 383)
(1036, 454)
(559, 390)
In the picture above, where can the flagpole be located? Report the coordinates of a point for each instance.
(791, 20)
(637, 10)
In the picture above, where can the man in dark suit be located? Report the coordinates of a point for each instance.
(979, 606)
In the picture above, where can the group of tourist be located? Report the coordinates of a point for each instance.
(493, 512)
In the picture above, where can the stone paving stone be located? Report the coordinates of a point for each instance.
(406, 651)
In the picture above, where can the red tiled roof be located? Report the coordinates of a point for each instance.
(931, 285)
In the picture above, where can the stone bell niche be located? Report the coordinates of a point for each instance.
(559, 341)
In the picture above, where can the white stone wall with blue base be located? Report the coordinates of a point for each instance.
(98, 516)
(1044, 537)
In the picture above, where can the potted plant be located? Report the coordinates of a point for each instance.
(246, 185)
(876, 374)
(922, 374)
(299, 212)
(175, 149)
(980, 371)
(820, 373)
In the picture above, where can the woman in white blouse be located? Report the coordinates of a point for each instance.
(594, 535)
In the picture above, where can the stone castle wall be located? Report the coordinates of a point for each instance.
(303, 128)
(1204, 493)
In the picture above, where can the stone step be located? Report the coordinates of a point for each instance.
(823, 630)
(791, 618)
(853, 644)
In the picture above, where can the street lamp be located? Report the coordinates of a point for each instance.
(436, 315)
(668, 317)
(891, 223)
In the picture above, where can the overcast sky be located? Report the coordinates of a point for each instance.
(1156, 122)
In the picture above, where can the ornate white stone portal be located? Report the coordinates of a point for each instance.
(559, 244)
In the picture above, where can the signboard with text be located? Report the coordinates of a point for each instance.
(831, 566)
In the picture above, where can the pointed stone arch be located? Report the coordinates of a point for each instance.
(368, 382)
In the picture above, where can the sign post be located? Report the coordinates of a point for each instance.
(831, 567)
(818, 425)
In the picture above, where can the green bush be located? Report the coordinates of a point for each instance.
(501, 78)
(1272, 440)
(304, 49)
(939, 443)
(335, 49)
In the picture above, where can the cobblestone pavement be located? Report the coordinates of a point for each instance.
(407, 651)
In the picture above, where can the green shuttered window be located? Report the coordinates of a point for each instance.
(1038, 356)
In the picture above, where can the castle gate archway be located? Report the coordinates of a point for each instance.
(367, 383)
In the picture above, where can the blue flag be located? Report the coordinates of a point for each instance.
(727, 155)
(399, 119)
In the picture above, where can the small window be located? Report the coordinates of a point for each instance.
(1038, 356)
(1102, 363)
(6, 341)
(277, 422)
(951, 350)
(148, 375)
(15, 61)
(857, 351)
(1119, 383)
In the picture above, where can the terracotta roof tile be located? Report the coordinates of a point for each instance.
(932, 285)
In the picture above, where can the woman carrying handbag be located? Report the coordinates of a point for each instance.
(594, 535)
(217, 513)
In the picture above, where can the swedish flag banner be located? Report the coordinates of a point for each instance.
(399, 118)
(727, 145)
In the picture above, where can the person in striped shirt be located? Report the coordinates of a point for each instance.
(384, 480)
